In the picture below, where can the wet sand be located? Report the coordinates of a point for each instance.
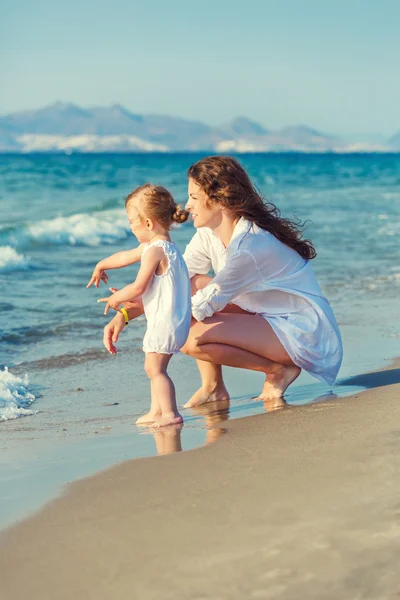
(300, 503)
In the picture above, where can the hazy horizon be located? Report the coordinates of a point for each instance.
(374, 136)
(332, 67)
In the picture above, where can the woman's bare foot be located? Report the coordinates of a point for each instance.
(149, 417)
(204, 395)
(277, 383)
(168, 419)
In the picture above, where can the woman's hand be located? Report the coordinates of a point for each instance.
(112, 331)
(113, 301)
(97, 276)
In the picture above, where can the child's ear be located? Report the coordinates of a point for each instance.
(149, 224)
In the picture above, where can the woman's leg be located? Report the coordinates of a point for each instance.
(212, 384)
(246, 341)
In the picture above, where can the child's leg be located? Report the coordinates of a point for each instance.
(161, 385)
(154, 412)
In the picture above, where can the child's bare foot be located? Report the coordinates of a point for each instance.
(167, 419)
(278, 382)
(203, 395)
(149, 417)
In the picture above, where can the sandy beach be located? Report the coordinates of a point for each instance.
(299, 503)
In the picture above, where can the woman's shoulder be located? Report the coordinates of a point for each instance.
(254, 238)
(265, 247)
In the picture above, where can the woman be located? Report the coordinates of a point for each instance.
(263, 310)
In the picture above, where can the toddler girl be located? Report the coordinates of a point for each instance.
(164, 286)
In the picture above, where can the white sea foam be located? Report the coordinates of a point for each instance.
(10, 260)
(77, 230)
(14, 396)
(390, 228)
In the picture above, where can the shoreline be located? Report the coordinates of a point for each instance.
(301, 502)
(45, 453)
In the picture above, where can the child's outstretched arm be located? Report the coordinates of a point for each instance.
(150, 262)
(115, 261)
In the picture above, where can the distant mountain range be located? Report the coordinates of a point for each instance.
(64, 127)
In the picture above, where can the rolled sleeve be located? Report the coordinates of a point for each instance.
(205, 303)
(240, 275)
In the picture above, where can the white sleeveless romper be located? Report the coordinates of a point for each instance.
(167, 304)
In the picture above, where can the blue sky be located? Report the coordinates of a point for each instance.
(331, 64)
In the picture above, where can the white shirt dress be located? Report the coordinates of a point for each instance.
(167, 304)
(264, 276)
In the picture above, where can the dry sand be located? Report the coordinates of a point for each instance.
(302, 503)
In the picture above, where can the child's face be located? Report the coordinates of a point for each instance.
(140, 227)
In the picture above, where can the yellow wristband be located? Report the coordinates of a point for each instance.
(125, 314)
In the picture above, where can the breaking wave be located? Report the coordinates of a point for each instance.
(14, 396)
(10, 260)
(77, 230)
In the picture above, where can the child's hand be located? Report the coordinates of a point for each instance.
(113, 301)
(97, 276)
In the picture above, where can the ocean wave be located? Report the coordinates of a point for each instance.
(64, 361)
(31, 335)
(82, 229)
(6, 306)
(14, 396)
(10, 260)
(67, 360)
(384, 284)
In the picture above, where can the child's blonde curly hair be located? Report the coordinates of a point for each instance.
(157, 203)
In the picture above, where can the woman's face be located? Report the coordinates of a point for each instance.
(204, 212)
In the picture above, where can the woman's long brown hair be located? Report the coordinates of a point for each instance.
(225, 181)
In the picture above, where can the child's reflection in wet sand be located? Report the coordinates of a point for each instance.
(168, 439)
(274, 404)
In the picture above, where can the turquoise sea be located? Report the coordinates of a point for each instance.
(68, 408)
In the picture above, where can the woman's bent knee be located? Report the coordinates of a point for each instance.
(191, 346)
